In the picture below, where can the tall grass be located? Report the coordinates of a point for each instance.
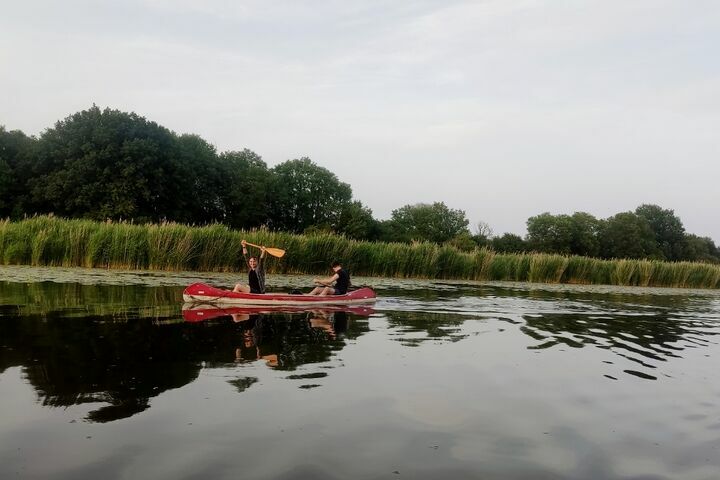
(47, 240)
(547, 268)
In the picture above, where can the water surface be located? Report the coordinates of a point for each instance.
(103, 376)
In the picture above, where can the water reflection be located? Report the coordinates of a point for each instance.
(646, 340)
(286, 341)
(198, 312)
(644, 328)
(415, 328)
(94, 359)
(451, 379)
(112, 302)
(124, 354)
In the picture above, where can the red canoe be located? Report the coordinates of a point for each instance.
(200, 292)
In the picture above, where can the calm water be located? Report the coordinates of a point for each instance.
(102, 375)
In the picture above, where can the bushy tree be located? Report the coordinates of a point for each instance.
(627, 235)
(304, 195)
(110, 164)
(509, 243)
(700, 249)
(7, 179)
(245, 188)
(463, 241)
(16, 151)
(427, 222)
(584, 239)
(668, 229)
(204, 193)
(385, 230)
(550, 233)
(575, 234)
(356, 221)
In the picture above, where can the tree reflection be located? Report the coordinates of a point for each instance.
(76, 357)
(641, 338)
(433, 326)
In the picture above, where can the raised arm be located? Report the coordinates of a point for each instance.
(261, 259)
(245, 252)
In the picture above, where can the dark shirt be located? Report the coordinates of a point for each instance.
(254, 282)
(342, 283)
(256, 278)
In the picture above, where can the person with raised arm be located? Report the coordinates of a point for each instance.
(256, 272)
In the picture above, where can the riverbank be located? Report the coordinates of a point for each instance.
(51, 241)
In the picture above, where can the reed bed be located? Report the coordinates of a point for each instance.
(52, 241)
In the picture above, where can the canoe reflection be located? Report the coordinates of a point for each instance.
(260, 328)
(258, 337)
(273, 333)
(200, 312)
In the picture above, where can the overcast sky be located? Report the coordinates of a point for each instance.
(502, 108)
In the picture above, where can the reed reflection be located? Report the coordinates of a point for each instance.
(112, 302)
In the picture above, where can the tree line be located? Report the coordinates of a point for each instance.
(108, 164)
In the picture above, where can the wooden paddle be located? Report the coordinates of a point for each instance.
(275, 252)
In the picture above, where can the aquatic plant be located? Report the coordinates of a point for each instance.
(52, 241)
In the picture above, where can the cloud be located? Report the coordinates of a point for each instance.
(503, 108)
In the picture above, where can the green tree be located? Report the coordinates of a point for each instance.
(304, 195)
(356, 221)
(463, 241)
(550, 233)
(16, 150)
(385, 229)
(668, 229)
(424, 222)
(575, 234)
(584, 238)
(204, 187)
(7, 179)
(483, 234)
(246, 184)
(700, 249)
(627, 235)
(508, 243)
(110, 164)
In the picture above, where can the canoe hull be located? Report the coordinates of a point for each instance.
(203, 293)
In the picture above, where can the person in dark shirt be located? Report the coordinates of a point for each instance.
(341, 279)
(256, 272)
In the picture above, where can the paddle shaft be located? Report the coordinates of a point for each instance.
(275, 252)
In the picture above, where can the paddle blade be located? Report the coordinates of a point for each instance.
(275, 252)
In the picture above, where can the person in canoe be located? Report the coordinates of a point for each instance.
(325, 285)
(256, 272)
